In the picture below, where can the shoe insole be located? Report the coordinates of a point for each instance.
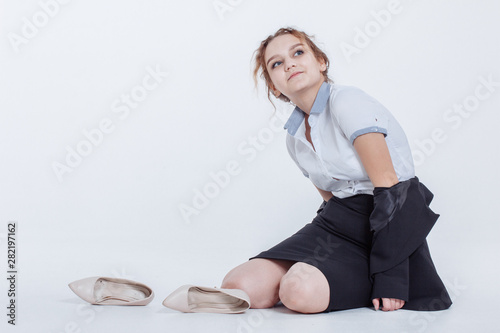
(212, 301)
(112, 292)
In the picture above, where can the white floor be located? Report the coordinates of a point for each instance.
(46, 304)
(63, 312)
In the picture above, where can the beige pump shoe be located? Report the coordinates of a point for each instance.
(112, 291)
(189, 298)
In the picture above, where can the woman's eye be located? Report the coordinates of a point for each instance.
(276, 64)
(298, 52)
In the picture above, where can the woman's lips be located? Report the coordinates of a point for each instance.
(294, 75)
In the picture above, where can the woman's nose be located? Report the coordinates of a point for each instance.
(289, 63)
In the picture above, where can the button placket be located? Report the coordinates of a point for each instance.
(318, 151)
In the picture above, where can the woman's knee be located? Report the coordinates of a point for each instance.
(237, 279)
(304, 289)
(294, 293)
(258, 279)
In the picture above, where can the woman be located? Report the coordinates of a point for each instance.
(366, 246)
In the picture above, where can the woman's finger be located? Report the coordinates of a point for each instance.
(376, 303)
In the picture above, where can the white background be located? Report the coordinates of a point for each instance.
(117, 213)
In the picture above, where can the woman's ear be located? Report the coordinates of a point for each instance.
(275, 91)
(322, 66)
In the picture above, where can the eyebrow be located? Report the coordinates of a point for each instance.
(291, 48)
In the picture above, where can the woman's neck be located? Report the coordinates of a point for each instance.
(305, 100)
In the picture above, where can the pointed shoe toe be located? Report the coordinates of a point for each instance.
(178, 299)
(112, 291)
(189, 298)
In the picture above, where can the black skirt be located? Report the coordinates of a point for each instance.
(339, 243)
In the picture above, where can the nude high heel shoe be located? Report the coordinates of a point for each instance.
(189, 298)
(112, 291)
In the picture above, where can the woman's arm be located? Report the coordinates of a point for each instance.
(374, 154)
(376, 160)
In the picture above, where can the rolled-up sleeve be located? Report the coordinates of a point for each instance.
(358, 113)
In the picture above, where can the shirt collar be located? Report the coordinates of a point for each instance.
(297, 116)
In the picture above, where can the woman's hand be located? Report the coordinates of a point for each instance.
(388, 304)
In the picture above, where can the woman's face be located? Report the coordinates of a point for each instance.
(292, 66)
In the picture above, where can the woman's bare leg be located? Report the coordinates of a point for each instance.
(260, 279)
(304, 288)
